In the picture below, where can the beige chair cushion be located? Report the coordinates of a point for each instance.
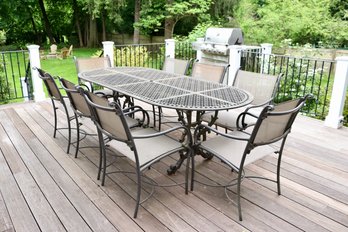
(232, 150)
(148, 149)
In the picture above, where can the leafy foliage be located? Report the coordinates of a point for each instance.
(131, 56)
(302, 21)
(4, 87)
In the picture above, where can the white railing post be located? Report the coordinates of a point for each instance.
(335, 118)
(234, 62)
(25, 89)
(34, 58)
(266, 50)
(170, 48)
(108, 47)
(197, 46)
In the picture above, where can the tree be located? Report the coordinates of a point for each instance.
(156, 13)
(136, 34)
(301, 21)
(46, 22)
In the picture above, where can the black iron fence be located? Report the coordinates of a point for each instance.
(149, 55)
(15, 79)
(140, 55)
(300, 76)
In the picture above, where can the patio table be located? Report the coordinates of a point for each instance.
(169, 90)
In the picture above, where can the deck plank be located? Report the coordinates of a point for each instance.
(116, 194)
(313, 178)
(90, 213)
(17, 207)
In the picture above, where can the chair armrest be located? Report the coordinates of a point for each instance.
(241, 125)
(161, 133)
(134, 109)
(209, 129)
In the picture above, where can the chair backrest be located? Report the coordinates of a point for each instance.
(109, 118)
(53, 49)
(262, 86)
(51, 85)
(70, 50)
(77, 101)
(88, 64)
(274, 122)
(176, 65)
(209, 72)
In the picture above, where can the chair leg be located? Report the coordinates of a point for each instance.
(189, 154)
(69, 128)
(138, 192)
(55, 117)
(77, 135)
(101, 147)
(103, 158)
(192, 170)
(278, 165)
(154, 116)
(238, 195)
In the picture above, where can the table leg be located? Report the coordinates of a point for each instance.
(187, 122)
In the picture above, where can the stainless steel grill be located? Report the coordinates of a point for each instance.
(216, 42)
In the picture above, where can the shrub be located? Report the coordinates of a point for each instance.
(131, 56)
(4, 87)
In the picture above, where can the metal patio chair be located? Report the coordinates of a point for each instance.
(172, 65)
(262, 86)
(143, 146)
(177, 66)
(238, 149)
(93, 63)
(209, 72)
(56, 96)
(81, 109)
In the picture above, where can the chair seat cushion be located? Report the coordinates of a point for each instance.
(232, 150)
(148, 149)
(228, 119)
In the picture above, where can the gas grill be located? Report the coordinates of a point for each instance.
(215, 45)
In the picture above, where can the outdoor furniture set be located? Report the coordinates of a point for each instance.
(251, 119)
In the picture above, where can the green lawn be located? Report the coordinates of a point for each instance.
(66, 67)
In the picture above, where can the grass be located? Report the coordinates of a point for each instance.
(66, 67)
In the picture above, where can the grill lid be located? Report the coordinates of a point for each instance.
(224, 36)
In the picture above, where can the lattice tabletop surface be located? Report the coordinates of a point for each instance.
(168, 90)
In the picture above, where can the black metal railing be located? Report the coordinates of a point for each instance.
(140, 55)
(14, 76)
(300, 76)
(150, 55)
(184, 51)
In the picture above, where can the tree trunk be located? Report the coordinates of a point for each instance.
(77, 22)
(136, 35)
(46, 22)
(168, 28)
(92, 37)
(169, 24)
(103, 25)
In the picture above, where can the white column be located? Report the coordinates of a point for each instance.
(234, 62)
(197, 46)
(34, 57)
(170, 48)
(335, 118)
(24, 89)
(266, 51)
(108, 47)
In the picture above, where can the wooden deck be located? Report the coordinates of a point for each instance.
(45, 189)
